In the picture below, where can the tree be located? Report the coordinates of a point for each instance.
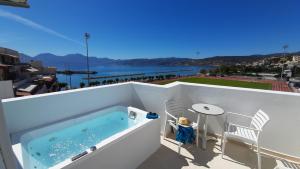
(82, 84)
(203, 71)
(62, 85)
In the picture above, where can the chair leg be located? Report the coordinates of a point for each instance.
(222, 139)
(258, 157)
(179, 147)
(165, 128)
(197, 137)
(223, 145)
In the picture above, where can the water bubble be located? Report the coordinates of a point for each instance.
(52, 155)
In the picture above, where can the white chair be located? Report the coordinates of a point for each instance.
(175, 109)
(249, 134)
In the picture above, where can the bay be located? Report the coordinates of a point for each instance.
(76, 79)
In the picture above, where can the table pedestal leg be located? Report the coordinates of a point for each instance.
(197, 134)
(204, 132)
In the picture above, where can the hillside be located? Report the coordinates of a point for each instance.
(78, 60)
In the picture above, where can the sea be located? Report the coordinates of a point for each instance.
(136, 71)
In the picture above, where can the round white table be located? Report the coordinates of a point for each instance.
(205, 110)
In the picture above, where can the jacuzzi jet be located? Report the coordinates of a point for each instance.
(132, 115)
(93, 148)
(38, 154)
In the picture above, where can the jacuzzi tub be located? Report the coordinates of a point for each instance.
(122, 138)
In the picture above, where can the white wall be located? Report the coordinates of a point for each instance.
(6, 89)
(281, 134)
(7, 157)
(33, 111)
(282, 107)
(152, 97)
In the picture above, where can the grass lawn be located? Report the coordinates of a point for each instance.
(222, 82)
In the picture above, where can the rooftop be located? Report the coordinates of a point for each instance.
(9, 52)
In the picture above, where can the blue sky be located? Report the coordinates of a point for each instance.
(152, 28)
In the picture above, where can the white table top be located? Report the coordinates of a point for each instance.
(207, 109)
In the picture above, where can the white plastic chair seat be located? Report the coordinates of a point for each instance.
(241, 133)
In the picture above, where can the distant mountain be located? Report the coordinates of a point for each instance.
(72, 60)
(78, 60)
(25, 58)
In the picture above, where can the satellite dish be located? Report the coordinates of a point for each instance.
(15, 3)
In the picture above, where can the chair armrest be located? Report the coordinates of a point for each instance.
(193, 111)
(245, 127)
(175, 118)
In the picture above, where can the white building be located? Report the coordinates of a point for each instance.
(296, 58)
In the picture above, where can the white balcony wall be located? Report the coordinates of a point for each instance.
(34, 111)
(152, 97)
(281, 134)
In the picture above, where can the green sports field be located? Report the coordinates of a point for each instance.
(222, 82)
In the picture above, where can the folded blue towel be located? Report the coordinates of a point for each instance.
(151, 115)
(185, 135)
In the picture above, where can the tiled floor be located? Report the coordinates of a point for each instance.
(237, 157)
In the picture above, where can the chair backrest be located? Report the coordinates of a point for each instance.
(175, 107)
(259, 120)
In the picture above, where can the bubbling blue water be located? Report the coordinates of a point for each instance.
(52, 148)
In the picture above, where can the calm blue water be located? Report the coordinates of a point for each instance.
(121, 70)
(52, 148)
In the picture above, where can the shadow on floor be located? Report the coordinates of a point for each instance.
(203, 157)
(237, 156)
(168, 158)
(164, 158)
(245, 156)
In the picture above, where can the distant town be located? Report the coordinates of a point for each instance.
(25, 75)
